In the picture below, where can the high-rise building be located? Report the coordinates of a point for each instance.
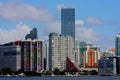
(53, 51)
(60, 47)
(45, 52)
(68, 22)
(32, 35)
(77, 51)
(31, 55)
(89, 56)
(117, 45)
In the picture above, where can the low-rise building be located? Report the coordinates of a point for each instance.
(107, 66)
(10, 56)
(109, 53)
(25, 55)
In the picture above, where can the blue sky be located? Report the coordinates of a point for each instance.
(97, 21)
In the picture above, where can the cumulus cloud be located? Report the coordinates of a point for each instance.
(14, 34)
(52, 27)
(60, 6)
(94, 21)
(86, 34)
(15, 11)
(82, 33)
(79, 22)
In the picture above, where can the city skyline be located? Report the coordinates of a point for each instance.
(97, 22)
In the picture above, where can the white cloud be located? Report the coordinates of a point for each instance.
(82, 33)
(15, 11)
(15, 34)
(60, 6)
(86, 34)
(79, 22)
(52, 27)
(94, 21)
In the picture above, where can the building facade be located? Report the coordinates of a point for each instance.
(25, 55)
(117, 42)
(10, 56)
(53, 51)
(109, 53)
(89, 56)
(45, 52)
(68, 22)
(77, 51)
(60, 47)
(31, 55)
(107, 66)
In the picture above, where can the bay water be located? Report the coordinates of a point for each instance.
(63, 78)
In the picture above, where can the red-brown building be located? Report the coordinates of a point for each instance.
(91, 57)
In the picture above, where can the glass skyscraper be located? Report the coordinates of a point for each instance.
(118, 45)
(68, 22)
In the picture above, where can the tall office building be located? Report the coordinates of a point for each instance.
(68, 22)
(32, 35)
(117, 45)
(60, 47)
(31, 55)
(45, 57)
(77, 51)
(53, 50)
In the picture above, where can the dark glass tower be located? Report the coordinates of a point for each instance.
(68, 22)
(32, 35)
(118, 45)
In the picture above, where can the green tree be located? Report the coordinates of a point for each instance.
(48, 73)
(85, 72)
(32, 73)
(72, 72)
(93, 72)
(7, 70)
(19, 71)
(56, 71)
(62, 72)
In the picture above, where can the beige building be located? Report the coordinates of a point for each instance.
(60, 47)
